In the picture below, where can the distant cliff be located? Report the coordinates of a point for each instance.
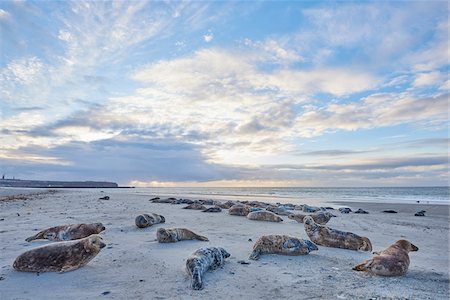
(56, 184)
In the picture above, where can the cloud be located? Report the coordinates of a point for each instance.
(4, 14)
(333, 152)
(208, 37)
(428, 79)
(377, 110)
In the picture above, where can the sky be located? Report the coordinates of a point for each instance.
(235, 93)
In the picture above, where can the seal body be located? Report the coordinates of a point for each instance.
(172, 235)
(328, 237)
(202, 260)
(60, 257)
(225, 205)
(281, 244)
(196, 206)
(212, 209)
(393, 261)
(320, 217)
(146, 220)
(68, 232)
(278, 210)
(239, 210)
(263, 215)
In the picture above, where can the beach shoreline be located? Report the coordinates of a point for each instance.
(134, 265)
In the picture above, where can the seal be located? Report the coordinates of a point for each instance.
(278, 210)
(60, 257)
(196, 206)
(392, 261)
(320, 217)
(264, 215)
(202, 260)
(225, 205)
(281, 244)
(67, 232)
(310, 209)
(239, 210)
(345, 210)
(328, 237)
(146, 220)
(212, 209)
(173, 235)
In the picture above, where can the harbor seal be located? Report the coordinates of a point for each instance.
(320, 217)
(202, 260)
(328, 237)
(264, 215)
(281, 244)
(146, 220)
(172, 235)
(196, 206)
(60, 257)
(67, 232)
(239, 210)
(392, 261)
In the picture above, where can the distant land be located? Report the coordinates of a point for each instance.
(56, 184)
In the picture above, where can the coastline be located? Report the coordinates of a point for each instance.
(134, 265)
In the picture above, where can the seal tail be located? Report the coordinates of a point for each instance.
(201, 238)
(40, 235)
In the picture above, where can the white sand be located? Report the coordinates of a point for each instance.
(135, 266)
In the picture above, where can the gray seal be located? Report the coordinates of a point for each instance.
(328, 237)
(172, 235)
(61, 256)
(202, 260)
(392, 261)
(321, 217)
(67, 232)
(264, 215)
(146, 220)
(281, 244)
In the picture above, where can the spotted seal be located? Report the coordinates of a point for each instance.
(202, 260)
(392, 261)
(146, 220)
(263, 215)
(172, 235)
(328, 237)
(320, 217)
(67, 232)
(281, 244)
(60, 257)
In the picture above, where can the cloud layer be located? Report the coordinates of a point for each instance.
(170, 93)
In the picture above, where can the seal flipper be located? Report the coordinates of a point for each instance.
(40, 236)
(196, 280)
(68, 268)
(362, 266)
(291, 246)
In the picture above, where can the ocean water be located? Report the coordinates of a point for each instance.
(431, 195)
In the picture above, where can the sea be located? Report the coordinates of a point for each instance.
(301, 195)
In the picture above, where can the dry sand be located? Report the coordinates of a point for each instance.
(135, 266)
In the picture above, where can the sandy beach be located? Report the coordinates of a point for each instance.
(135, 266)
